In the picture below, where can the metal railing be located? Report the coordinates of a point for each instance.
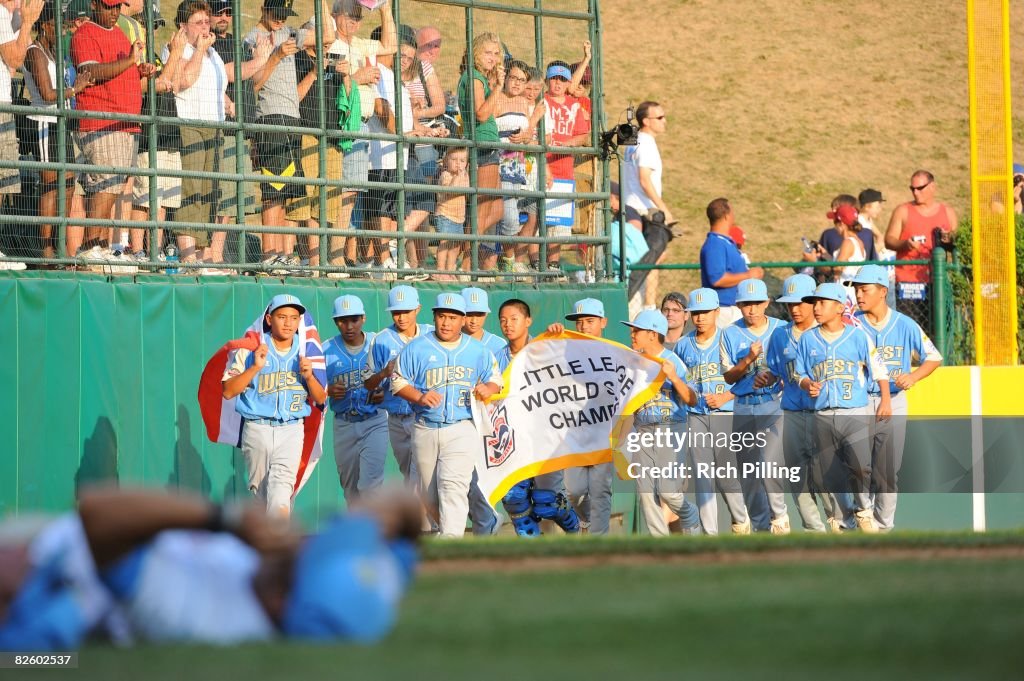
(235, 133)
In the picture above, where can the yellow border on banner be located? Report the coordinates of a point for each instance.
(580, 458)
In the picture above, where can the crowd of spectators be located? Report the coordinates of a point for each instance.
(281, 82)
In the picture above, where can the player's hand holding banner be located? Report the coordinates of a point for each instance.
(566, 399)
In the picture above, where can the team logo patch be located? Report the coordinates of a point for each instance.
(699, 297)
(400, 296)
(346, 305)
(475, 298)
(579, 307)
(791, 288)
(502, 442)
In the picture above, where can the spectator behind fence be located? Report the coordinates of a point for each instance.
(335, 76)
(642, 171)
(536, 109)
(870, 202)
(483, 80)
(722, 267)
(428, 44)
(200, 93)
(119, 73)
(40, 70)
(244, 99)
(517, 125)
(831, 240)
(361, 54)
(428, 103)
(851, 249)
(570, 128)
(585, 167)
(13, 47)
(450, 217)
(277, 103)
(911, 234)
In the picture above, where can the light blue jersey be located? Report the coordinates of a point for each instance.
(668, 405)
(736, 342)
(385, 347)
(781, 359)
(901, 343)
(845, 367)
(704, 370)
(504, 356)
(493, 343)
(452, 373)
(350, 370)
(277, 391)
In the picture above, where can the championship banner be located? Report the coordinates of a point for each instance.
(566, 398)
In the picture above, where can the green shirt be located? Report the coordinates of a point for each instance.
(488, 130)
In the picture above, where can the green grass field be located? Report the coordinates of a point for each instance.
(843, 607)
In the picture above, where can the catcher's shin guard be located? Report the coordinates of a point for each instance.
(520, 510)
(555, 506)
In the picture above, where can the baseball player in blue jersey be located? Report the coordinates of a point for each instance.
(589, 487)
(901, 344)
(757, 407)
(541, 498)
(404, 305)
(835, 364)
(360, 428)
(711, 417)
(272, 385)
(663, 415)
(797, 421)
(485, 520)
(439, 373)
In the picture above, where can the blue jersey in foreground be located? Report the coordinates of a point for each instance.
(703, 370)
(845, 367)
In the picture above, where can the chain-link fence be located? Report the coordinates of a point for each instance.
(270, 139)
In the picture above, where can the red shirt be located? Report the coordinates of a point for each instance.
(919, 228)
(121, 94)
(571, 118)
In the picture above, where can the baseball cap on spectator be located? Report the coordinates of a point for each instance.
(218, 6)
(827, 291)
(348, 306)
(112, 3)
(845, 214)
(558, 71)
(752, 291)
(403, 299)
(588, 307)
(279, 8)
(476, 300)
(702, 300)
(738, 236)
(79, 9)
(796, 287)
(285, 300)
(871, 274)
(869, 196)
(674, 297)
(650, 320)
(452, 302)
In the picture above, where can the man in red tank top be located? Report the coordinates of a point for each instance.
(910, 234)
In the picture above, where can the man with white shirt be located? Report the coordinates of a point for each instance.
(13, 46)
(642, 170)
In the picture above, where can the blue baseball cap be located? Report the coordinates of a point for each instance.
(795, 288)
(451, 301)
(829, 291)
(1018, 169)
(871, 274)
(650, 320)
(285, 300)
(476, 300)
(702, 300)
(347, 583)
(348, 306)
(588, 307)
(403, 299)
(557, 70)
(751, 291)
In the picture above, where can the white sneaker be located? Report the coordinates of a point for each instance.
(121, 263)
(866, 521)
(389, 270)
(11, 266)
(338, 275)
(741, 528)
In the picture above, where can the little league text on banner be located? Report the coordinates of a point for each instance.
(565, 401)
